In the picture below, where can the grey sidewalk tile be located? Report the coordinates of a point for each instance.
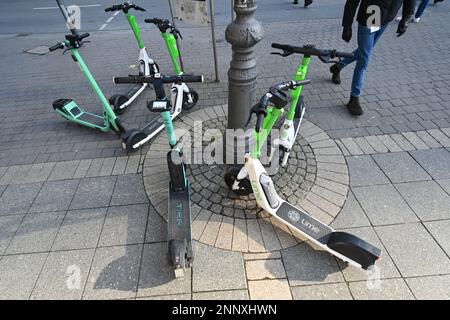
(428, 139)
(277, 289)
(94, 168)
(389, 143)
(383, 205)
(304, 266)
(364, 145)
(2, 188)
(331, 291)
(8, 227)
(63, 276)
(114, 273)
(351, 215)
(430, 288)
(129, 189)
(185, 296)
(82, 168)
(351, 146)
(107, 166)
(217, 269)
(400, 167)
(36, 233)
(364, 171)
(427, 199)
(132, 164)
(440, 137)
(18, 274)
(17, 198)
(389, 289)
(120, 165)
(445, 184)
(415, 140)
(93, 192)
(39, 172)
(80, 229)
(124, 225)
(265, 269)
(64, 170)
(156, 227)
(440, 232)
(376, 144)
(436, 162)
(402, 142)
(15, 174)
(413, 250)
(221, 295)
(384, 266)
(55, 196)
(157, 277)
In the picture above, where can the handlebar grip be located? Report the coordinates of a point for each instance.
(182, 78)
(109, 9)
(56, 47)
(259, 122)
(139, 8)
(344, 55)
(150, 20)
(84, 35)
(302, 82)
(279, 46)
(139, 80)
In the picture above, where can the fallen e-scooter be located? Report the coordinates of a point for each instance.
(179, 239)
(253, 178)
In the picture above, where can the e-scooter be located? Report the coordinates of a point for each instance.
(148, 66)
(291, 125)
(179, 239)
(252, 177)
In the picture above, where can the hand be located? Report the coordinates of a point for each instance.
(402, 26)
(347, 34)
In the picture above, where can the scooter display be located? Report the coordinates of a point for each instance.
(179, 237)
(253, 178)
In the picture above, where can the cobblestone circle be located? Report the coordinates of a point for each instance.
(316, 180)
(209, 190)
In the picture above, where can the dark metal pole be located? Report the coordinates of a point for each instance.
(243, 34)
(178, 43)
(213, 36)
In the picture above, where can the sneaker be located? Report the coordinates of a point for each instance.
(354, 107)
(416, 20)
(308, 2)
(436, 1)
(399, 18)
(335, 70)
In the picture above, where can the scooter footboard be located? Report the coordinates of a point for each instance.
(345, 246)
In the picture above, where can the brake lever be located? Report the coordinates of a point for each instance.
(283, 54)
(327, 59)
(176, 32)
(256, 109)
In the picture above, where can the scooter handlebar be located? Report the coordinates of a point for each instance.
(56, 47)
(311, 51)
(165, 79)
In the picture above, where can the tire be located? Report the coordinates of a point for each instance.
(116, 101)
(131, 138)
(245, 187)
(186, 104)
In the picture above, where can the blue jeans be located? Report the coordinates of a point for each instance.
(421, 8)
(366, 43)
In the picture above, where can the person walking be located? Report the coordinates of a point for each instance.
(306, 4)
(370, 29)
(421, 9)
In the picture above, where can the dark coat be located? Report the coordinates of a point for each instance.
(388, 10)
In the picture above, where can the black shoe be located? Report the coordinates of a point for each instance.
(436, 1)
(354, 107)
(308, 2)
(335, 69)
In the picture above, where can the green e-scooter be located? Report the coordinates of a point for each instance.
(147, 66)
(179, 239)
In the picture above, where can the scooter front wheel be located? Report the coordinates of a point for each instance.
(189, 105)
(244, 186)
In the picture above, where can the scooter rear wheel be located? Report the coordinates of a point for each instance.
(116, 101)
(131, 138)
(189, 105)
(245, 187)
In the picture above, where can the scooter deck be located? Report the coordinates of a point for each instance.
(179, 215)
(91, 118)
(345, 246)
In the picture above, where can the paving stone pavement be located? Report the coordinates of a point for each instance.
(81, 219)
